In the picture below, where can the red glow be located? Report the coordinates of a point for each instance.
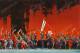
(67, 21)
(63, 22)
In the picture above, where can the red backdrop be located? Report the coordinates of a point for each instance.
(67, 20)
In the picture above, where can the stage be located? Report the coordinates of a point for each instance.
(39, 51)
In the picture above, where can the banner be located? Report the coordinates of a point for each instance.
(43, 25)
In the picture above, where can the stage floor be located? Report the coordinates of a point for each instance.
(39, 51)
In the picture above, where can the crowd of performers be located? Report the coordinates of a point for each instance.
(20, 40)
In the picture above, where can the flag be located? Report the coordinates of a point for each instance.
(1, 27)
(8, 24)
(43, 25)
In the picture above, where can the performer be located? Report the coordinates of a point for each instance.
(70, 43)
(63, 43)
(42, 39)
(75, 43)
(57, 44)
(34, 40)
(5, 44)
(10, 43)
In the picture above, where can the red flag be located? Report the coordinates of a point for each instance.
(1, 23)
(8, 24)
